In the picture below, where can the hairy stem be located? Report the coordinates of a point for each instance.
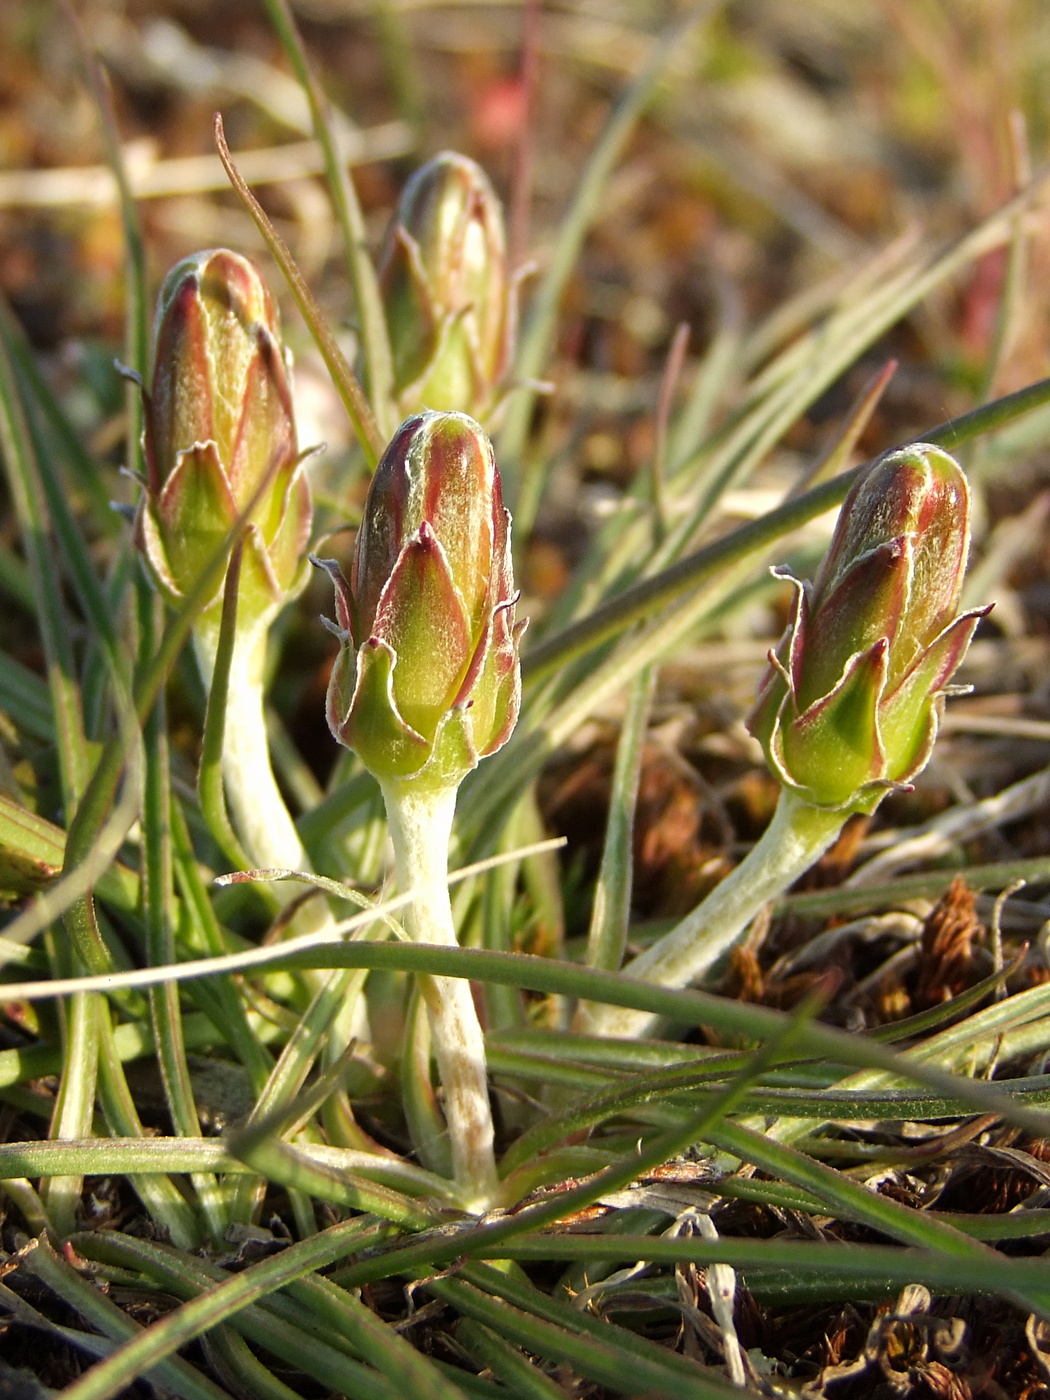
(420, 825)
(797, 836)
(258, 810)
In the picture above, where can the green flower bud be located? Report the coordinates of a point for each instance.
(853, 698)
(220, 435)
(427, 678)
(443, 277)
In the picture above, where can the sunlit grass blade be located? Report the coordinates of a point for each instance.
(147, 1156)
(280, 1162)
(37, 847)
(368, 303)
(423, 1118)
(74, 1110)
(539, 329)
(521, 1294)
(846, 1197)
(23, 477)
(832, 347)
(357, 406)
(682, 1007)
(643, 599)
(704, 575)
(931, 884)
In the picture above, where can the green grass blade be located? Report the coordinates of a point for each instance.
(136, 312)
(988, 1272)
(27, 496)
(25, 697)
(171, 1373)
(539, 330)
(264, 1322)
(230, 1016)
(64, 440)
(145, 1156)
(157, 1192)
(523, 1295)
(240, 1369)
(374, 1340)
(602, 1361)
(847, 1198)
(160, 919)
(74, 1111)
(522, 1377)
(284, 1164)
(684, 1007)
(607, 937)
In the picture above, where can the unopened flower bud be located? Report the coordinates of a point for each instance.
(427, 678)
(444, 282)
(852, 701)
(220, 434)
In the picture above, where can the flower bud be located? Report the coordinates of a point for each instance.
(853, 698)
(220, 434)
(443, 278)
(427, 678)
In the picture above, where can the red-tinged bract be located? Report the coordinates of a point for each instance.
(448, 302)
(851, 703)
(427, 679)
(220, 435)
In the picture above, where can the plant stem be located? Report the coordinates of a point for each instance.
(261, 819)
(797, 836)
(420, 824)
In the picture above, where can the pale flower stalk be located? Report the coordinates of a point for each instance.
(425, 685)
(420, 826)
(220, 440)
(258, 811)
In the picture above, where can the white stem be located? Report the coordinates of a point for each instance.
(420, 826)
(257, 809)
(797, 836)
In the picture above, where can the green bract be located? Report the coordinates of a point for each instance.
(444, 283)
(427, 680)
(220, 435)
(852, 701)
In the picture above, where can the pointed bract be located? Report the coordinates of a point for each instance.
(373, 726)
(423, 620)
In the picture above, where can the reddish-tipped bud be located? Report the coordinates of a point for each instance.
(427, 679)
(852, 701)
(443, 277)
(220, 434)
